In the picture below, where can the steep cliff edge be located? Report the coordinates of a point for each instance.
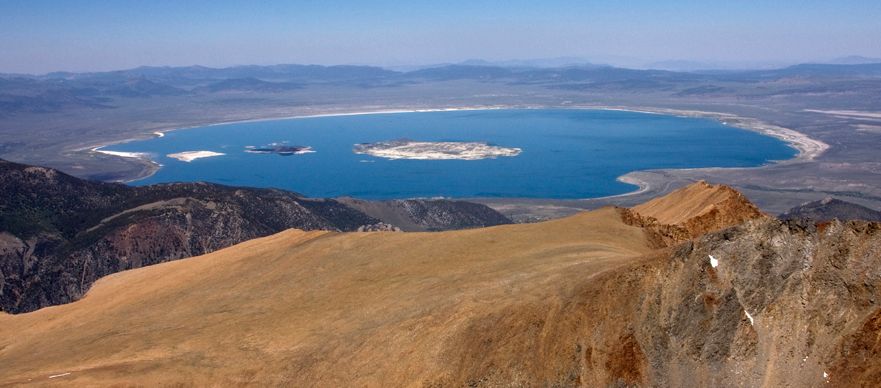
(778, 305)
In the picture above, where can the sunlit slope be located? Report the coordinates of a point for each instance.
(581, 301)
(325, 308)
(700, 207)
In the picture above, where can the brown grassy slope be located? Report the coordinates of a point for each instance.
(581, 301)
(700, 208)
(323, 308)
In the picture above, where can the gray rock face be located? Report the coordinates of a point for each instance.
(379, 227)
(781, 307)
(777, 309)
(787, 305)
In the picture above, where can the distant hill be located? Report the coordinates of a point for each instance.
(142, 87)
(429, 215)
(272, 72)
(248, 85)
(58, 234)
(828, 70)
(534, 63)
(830, 208)
(454, 72)
(854, 60)
(691, 66)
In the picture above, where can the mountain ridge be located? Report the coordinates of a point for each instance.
(587, 300)
(698, 209)
(59, 233)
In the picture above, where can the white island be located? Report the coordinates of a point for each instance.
(189, 156)
(424, 150)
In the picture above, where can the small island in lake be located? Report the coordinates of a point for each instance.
(189, 156)
(279, 149)
(443, 150)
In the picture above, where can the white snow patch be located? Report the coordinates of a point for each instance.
(713, 262)
(59, 375)
(751, 320)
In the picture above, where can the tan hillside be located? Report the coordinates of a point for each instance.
(335, 308)
(700, 208)
(580, 301)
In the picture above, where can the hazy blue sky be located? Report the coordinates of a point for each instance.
(39, 36)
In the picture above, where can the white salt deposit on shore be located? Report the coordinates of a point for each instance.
(135, 155)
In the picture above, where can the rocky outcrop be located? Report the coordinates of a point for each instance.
(379, 227)
(767, 303)
(780, 305)
(692, 211)
(829, 209)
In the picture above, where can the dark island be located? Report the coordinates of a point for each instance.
(279, 149)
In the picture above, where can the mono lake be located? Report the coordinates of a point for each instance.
(564, 153)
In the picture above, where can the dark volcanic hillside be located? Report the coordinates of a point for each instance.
(58, 234)
(429, 215)
(831, 208)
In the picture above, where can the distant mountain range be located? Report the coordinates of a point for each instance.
(61, 90)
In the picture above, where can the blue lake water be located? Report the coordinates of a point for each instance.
(566, 153)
